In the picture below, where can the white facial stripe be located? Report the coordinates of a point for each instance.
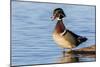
(63, 32)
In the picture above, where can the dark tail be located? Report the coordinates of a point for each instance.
(81, 40)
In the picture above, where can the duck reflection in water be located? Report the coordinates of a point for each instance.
(68, 58)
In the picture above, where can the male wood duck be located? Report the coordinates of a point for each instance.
(63, 36)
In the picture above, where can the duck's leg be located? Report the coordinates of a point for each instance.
(64, 51)
(69, 50)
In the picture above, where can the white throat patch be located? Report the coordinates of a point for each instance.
(58, 18)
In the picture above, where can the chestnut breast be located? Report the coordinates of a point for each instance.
(59, 27)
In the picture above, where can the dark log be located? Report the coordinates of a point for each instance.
(86, 50)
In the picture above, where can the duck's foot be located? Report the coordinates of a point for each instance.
(69, 51)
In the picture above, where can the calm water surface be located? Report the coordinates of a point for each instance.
(32, 29)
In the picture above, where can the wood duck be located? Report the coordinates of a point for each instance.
(63, 36)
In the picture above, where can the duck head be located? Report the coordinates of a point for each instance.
(58, 14)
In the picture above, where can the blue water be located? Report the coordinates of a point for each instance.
(32, 28)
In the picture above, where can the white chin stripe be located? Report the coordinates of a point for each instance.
(63, 32)
(58, 18)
